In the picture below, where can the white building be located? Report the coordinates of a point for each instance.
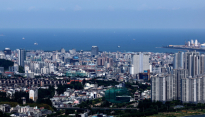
(2, 55)
(158, 88)
(26, 68)
(33, 94)
(62, 50)
(189, 43)
(196, 42)
(44, 70)
(140, 62)
(16, 67)
(192, 42)
(51, 68)
(55, 57)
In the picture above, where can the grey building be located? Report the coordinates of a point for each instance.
(94, 50)
(167, 87)
(193, 89)
(158, 90)
(189, 87)
(5, 108)
(7, 51)
(178, 74)
(21, 57)
(189, 90)
(170, 92)
(185, 84)
(192, 60)
(179, 60)
(202, 64)
(1, 69)
(30, 75)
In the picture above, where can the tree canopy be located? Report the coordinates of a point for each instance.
(6, 64)
(73, 85)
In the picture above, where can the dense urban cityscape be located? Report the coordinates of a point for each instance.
(85, 83)
(102, 58)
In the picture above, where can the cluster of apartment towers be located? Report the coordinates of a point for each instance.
(186, 82)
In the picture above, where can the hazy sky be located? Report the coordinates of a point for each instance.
(102, 13)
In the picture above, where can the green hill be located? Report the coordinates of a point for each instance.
(6, 63)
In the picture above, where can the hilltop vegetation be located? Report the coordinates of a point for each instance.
(6, 63)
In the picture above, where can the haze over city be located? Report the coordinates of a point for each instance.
(102, 14)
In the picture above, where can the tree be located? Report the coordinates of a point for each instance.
(46, 93)
(45, 101)
(69, 111)
(3, 114)
(21, 69)
(6, 64)
(76, 85)
(84, 82)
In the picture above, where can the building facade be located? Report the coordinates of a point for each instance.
(21, 57)
(94, 50)
(33, 94)
(140, 63)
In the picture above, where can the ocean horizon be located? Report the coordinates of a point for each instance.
(129, 40)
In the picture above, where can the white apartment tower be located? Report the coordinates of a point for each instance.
(33, 94)
(140, 63)
(158, 88)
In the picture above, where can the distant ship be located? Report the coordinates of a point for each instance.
(133, 39)
(35, 43)
(118, 46)
(23, 38)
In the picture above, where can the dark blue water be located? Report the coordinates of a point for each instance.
(145, 40)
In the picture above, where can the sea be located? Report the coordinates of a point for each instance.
(110, 40)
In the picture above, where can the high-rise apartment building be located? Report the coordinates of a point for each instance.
(140, 63)
(193, 89)
(191, 63)
(170, 84)
(33, 94)
(202, 64)
(179, 60)
(109, 62)
(101, 61)
(94, 50)
(7, 51)
(21, 57)
(44, 70)
(55, 57)
(185, 84)
(158, 92)
(170, 87)
(188, 90)
(178, 74)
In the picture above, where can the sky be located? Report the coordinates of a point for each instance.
(102, 14)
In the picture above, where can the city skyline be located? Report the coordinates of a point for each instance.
(122, 58)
